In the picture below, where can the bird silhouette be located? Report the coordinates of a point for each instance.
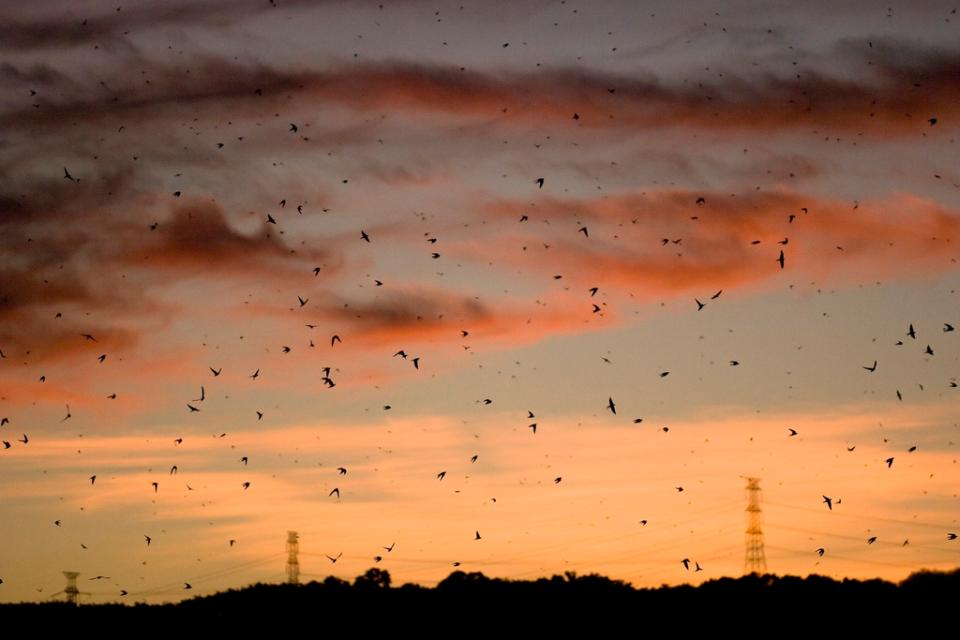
(829, 502)
(66, 174)
(821, 551)
(476, 535)
(872, 368)
(686, 563)
(334, 559)
(539, 181)
(612, 406)
(336, 490)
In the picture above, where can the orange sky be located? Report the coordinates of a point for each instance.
(224, 160)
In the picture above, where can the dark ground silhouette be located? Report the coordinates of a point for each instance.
(468, 601)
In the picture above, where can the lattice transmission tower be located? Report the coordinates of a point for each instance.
(755, 559)
(293, 561)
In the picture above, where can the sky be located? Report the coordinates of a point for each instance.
(313, 235)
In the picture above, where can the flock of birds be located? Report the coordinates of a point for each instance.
(196, 405)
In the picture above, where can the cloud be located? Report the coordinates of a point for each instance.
(731, 239)
(888, 94)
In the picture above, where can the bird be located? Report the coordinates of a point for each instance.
(792, 431)
(889, 462)
(539, 181)
(416, 363)
(584, 231)
(93, 479)
(148, 539)
(871, 539)
(244, 460)
(336, 490)
(390, 548)
(245, 485)
(951, 536)
(334, 559)
(947, 327)
(173, 470)
(56, 523)
(255, 375)
(473, 458)
(24, 439)
(123, 592)
(780, 259)
(911, 332)
(187, 585)
(232, 542)
(612, 406)
(929, 351)
(700, 305)
(68, 416)
(533, 427)
(302, 301)
(203, 395)
(294, 128)
(66, 174)
(271, 219)
(686, 563)
(912, 449)
(102, 357)
(215, 372)
(851, 448)
(679, 489)
(821, 551)
(698, 567)
(873, 368)
(476, 535)
(557, 479)
(829, 502)
(401, 353)
(734, 363)
(192, 408)
(716, 295)
(932, 121)
(441, 475)
(156, 486)
(335, 339)
(364, 236)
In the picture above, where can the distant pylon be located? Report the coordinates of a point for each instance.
(71, 591)
(293, 562)
(755, 560)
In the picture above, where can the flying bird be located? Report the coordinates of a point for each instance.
(889, 462)
(476, 535)
(612, 406)
(364, 236)
(342, 470)
(792, 431)
(255, 375)
(441, 475)
(335, 339)
(780, 259)
(873, 368)
(66, 174)
(539, 181)
(821, 551)
(336, 490)
(216, 372)
(148, 539)
(686, 563)
(829, 502)
(334, 559)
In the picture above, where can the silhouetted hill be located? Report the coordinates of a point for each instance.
(474, 600)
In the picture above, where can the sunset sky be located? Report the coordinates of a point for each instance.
(198, 185)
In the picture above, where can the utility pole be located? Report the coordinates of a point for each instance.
(755, 560)
(293, 562)
(71, 591)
